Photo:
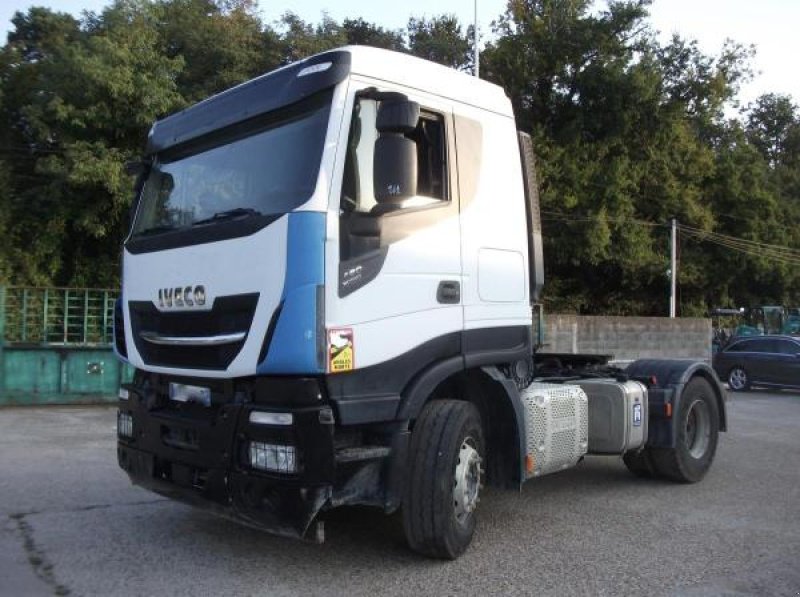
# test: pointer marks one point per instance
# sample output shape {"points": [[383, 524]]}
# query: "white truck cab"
{"points": [[329, 278]]}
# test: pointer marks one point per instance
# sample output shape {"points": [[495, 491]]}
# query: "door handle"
{"points": [[448, 292]]}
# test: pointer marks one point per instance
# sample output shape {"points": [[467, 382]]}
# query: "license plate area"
{"points": [[190, 394]]}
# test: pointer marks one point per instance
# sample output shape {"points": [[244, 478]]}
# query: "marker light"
{"points": [[274, 458], [530, 463], [265, 418], [123, 394], [314, 68]]}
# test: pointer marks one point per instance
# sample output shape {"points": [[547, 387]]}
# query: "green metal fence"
{"points": [[66, 316], [55, 346]]}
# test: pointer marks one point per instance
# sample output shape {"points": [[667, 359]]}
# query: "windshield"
{"points": [[269, 169]]}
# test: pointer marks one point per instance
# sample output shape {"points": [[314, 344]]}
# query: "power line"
{"points": [[752, 248], [743, 241], [562, 217]]}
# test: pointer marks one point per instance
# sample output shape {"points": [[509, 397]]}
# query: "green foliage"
{"points": [[301, 40], [629, 132], [82, 101], [361, 33], [220, 43], [440, 39]]}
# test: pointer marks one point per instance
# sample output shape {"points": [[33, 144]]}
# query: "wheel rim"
{"points": [[737, 379], [698, 428], [467, 480]]}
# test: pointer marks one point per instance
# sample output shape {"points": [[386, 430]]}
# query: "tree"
{"points": [[440, 39], [300, 39], [221, 43], [81, 106], [361, 33], [629, 133], [772, 127]]}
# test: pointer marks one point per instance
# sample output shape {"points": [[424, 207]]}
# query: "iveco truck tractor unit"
{"points": [[328, 294]]}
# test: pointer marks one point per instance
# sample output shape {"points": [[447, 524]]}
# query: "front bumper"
{"points": [[200, 454]]}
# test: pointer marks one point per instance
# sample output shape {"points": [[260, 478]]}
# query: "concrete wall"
{"points": [[629, 338]]}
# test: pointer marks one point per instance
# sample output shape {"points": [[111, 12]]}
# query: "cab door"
{"points": [[393, 279]]}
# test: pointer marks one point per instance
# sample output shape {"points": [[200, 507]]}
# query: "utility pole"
{"points": [[476, 70], [673, 274]]}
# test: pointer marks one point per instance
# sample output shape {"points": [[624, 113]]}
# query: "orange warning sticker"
{"points": [[341, 352]]}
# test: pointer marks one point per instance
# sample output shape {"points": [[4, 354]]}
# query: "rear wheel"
{"points": [[697, 422], [444, 479], [738, 380]]}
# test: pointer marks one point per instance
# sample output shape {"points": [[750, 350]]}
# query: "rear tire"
{"points": [[738, 380], [697, 422], [444, 479]]}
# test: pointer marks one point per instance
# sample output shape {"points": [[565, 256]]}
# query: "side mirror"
{"points": [[395, 158]]}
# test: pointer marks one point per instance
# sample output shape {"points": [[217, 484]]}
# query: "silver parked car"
{"points": [[770, 361]]}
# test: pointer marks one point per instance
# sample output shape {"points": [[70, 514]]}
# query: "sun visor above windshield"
{"points": [[268, 92]]}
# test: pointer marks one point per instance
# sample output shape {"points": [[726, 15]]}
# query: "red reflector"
{"points": [[653, 380], [668, 409]]}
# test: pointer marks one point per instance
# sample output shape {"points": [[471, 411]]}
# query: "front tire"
{"points": [[697, 421], [738, 380], [444, 479]]}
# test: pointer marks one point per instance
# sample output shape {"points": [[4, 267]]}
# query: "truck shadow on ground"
{"points": [[368, 536]]}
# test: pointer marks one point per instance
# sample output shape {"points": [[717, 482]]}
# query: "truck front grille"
{"points": [[228, 315]]}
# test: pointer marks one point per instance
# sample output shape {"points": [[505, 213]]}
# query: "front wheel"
{"points": [[697, 421], [444, 479], [738, 380]]}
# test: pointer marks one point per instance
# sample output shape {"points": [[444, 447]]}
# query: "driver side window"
{"points": [[429, 138], [361, 214]]}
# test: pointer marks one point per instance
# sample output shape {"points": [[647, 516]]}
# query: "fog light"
{"points": [[124, 424], [274, 458]]}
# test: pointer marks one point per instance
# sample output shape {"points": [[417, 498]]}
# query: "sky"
{"points": [[771, 25]]}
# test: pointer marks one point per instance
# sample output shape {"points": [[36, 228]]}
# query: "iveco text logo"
{"points": [[182, 296]]}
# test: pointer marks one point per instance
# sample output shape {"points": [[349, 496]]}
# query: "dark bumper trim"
{"points": [[256, 502]]}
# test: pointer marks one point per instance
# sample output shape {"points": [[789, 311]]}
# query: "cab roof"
{"points": [[430, 77], [299, 80]]}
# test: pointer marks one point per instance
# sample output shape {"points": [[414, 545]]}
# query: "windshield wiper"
{"points": [[238, 212]]}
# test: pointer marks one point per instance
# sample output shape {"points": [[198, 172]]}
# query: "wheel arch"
{"points": [[672, 375], [498, 402], [720, 394]]}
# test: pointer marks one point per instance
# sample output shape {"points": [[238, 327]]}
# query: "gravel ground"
{"points": [[70, 523]]}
